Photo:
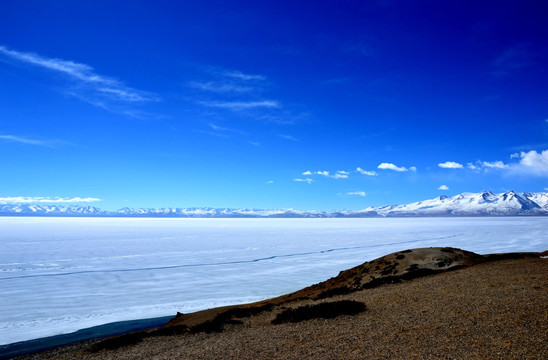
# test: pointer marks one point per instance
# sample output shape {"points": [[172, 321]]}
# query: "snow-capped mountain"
{"points": [[218, 212], [541, 199], [51, 210], [485, 203]]}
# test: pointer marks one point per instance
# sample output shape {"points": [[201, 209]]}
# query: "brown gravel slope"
{"points": [[493, 310]]}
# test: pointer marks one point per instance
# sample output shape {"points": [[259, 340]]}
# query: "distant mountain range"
{"points": [[485, 203]]}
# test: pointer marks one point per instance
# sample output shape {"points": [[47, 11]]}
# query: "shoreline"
{"points": [[27, 347], [365, 283]]}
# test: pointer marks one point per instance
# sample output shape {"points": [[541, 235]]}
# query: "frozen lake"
{"points": [[59, 275]]}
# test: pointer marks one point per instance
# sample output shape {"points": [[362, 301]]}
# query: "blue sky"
{"points": [[285, 104]]}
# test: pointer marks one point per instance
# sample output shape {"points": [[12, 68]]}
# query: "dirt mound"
{"points": [[392, 268]]}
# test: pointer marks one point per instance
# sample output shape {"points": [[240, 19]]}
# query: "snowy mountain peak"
{"points": [[488, 196], [541, 199]]}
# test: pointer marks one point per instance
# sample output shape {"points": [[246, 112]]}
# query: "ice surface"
{"points": [[59, 275]]}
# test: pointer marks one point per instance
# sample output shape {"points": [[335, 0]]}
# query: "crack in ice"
{"points": [[229, 262]]}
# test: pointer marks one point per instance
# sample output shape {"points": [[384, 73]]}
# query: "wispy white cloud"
{"points": [[270, 182], [471, 166], [217, 128], [224, 132], [288, 137], [243, 93], [232, 90], [124, 94], [390, 166], [495, 165], [85, 83], [241, 105], [450, 165], [221, 87], [307, 180], [41, 199], [225, 129], [443, 187], [341, 174], [283, 116], [213, 133], [365, 172], [28, 141], [79, 71], [224, 73], [242, 76], [140, 114], [356, 193]]}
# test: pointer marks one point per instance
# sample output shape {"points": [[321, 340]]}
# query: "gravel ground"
{"points": [[495, 310]]}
